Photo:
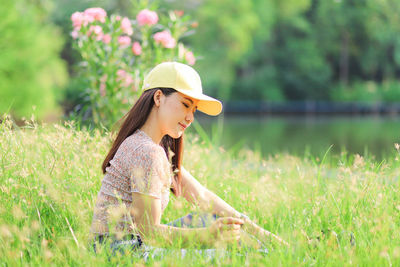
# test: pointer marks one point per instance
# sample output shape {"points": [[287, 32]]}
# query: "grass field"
{"points": [[333, 210]]}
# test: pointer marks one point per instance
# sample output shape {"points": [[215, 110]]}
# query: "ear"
{"points": [[157, 98]]}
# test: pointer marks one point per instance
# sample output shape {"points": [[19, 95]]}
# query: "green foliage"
{"points": [[223, 37], [297, 50], [359, 40], [61, 15], [289, 66], [388, 91], [291, 8], [31, 71]]}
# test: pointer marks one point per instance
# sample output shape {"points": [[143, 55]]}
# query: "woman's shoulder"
{"points": [[145, 155], [141, 146]]}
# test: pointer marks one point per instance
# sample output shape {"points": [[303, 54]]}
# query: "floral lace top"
{"points": [[139, 165]]}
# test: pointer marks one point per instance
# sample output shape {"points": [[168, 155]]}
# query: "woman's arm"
{"points": [[195, 193], [147, 216]]}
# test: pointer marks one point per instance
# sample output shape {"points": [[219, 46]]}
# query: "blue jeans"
{"points": [[194, 220]]}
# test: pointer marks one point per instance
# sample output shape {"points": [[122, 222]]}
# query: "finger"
{"points": [[230, 227], [235, 231], [231, 234], [231, 220], [234, 226]]}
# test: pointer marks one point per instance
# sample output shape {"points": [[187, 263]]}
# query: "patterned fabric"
{"points": [[194, 220], [139, 165], [127, 243]]}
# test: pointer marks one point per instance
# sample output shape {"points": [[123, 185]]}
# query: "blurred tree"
{"points": [[313, 45], [360, 42], [224, 35], [383, 27], [31, 72], [339, 27], [288, 64]]}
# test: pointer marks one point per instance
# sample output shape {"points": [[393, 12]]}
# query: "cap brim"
{"points": [[206, 104]]}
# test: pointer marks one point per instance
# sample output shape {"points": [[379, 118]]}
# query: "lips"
{"points": [[183, 126]]}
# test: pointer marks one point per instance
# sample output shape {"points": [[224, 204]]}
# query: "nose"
{"points": [[189, 117]]}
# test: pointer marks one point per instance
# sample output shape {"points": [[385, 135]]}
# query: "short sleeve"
{"points": [[148, 175]]}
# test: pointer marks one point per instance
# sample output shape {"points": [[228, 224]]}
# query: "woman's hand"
{"points": [[226, 229]]}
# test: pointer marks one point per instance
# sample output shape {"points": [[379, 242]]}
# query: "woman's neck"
{"points": [[152, 129]]}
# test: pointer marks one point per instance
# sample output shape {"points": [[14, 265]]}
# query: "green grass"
{"points": [[50, 176]]}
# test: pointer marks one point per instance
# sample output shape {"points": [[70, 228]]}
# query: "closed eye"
{"points": [[187, 106]]}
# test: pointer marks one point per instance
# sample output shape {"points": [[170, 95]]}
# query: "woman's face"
{"points": [[176, 113]]}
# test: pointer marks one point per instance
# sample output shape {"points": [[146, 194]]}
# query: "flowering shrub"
{"points": [[117, 52]]}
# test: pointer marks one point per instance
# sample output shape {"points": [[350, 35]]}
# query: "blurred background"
{"points": [[294, 75]]}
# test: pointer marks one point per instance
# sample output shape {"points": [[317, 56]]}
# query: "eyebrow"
{"points": [[191, 101]]}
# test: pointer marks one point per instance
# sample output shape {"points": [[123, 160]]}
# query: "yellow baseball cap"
{"points": [[185, 80]]}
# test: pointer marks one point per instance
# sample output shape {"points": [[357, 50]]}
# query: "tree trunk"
{"points": [[344, 59]]}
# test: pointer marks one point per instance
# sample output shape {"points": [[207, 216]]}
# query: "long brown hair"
{"points": [[134, 120]]}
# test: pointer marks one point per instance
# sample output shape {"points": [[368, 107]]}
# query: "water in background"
{"points": [[372, 135]]}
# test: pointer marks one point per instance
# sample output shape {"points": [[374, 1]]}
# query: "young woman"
{"points": [[145, 163]]}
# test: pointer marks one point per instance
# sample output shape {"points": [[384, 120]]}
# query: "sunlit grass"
{"points": [[337, 210]]}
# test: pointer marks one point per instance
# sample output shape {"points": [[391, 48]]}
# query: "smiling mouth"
{"points": [[183, 126]]}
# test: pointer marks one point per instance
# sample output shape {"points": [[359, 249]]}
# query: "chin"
{"points": [[179, 135], [176, 135]]}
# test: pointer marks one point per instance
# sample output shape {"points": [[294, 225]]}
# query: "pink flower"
{"points": [[147, 17], [89, 15], [102, 89], [97, 31], [126, 26], [128, 80], [103, 78], [121, 74], [117, 17], [124, 41], [179, 13], [106, 38], [96, 13], [136, 48], [165, 39], [77, 19], [191, 60], [124, 77], [74, 34]]}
